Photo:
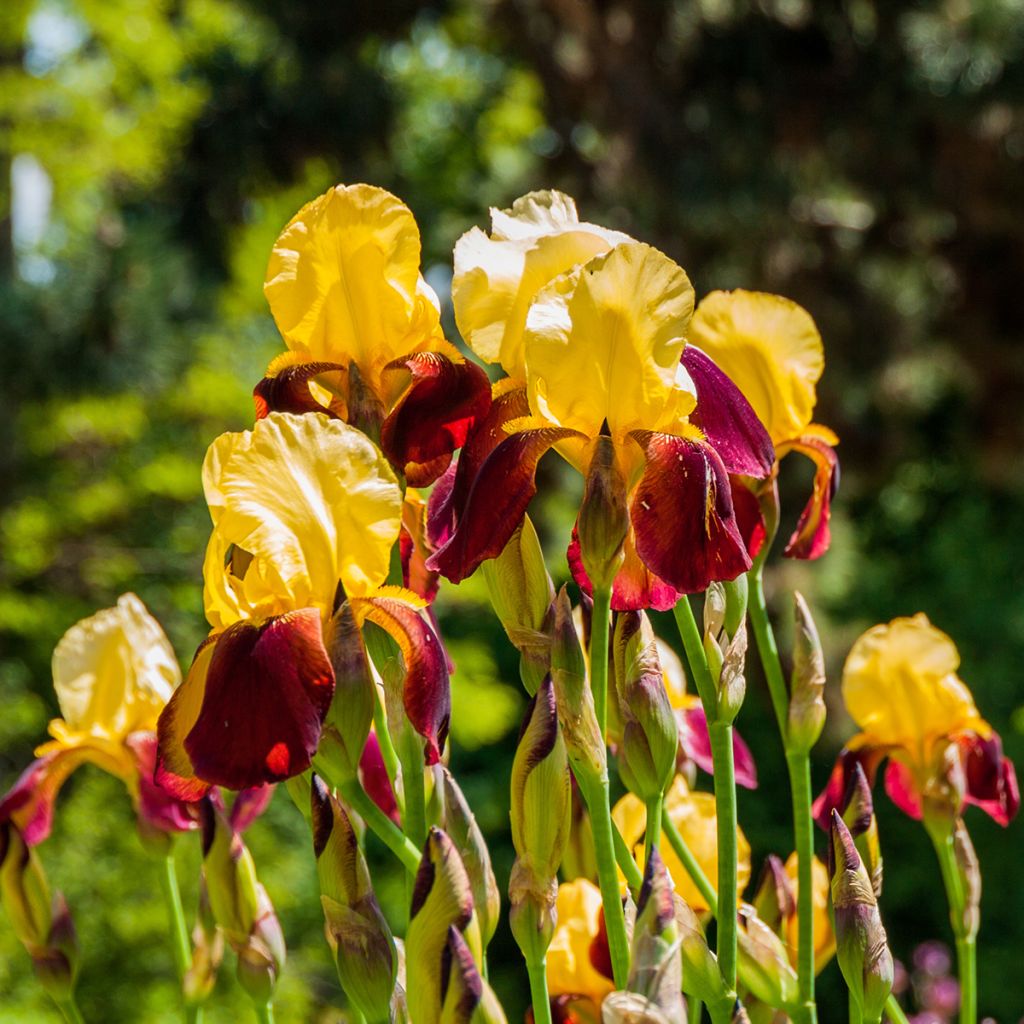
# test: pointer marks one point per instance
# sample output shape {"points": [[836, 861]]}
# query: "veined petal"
{"points": [[770, 348], [343, 281], [288, 387], [427, 689], [991, 779], [603, 343], [726, 418], [682, 513], [812, 536], [496, 502], [312, 501], [445, 398], [498, 276]]}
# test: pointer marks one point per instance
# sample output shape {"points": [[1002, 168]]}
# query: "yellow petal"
{"points": [[824, 937], [675, 678], [344, 281], [900, 686], [770, 348], [497, 276], [113, 673], [603, 343], [312, 501], [569, 967]]}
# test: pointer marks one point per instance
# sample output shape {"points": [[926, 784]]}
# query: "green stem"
{"points": [[725, 808], [381, 825], [69, 1008], [599, 630], [634, 877], [653, 831], [856, 1017], [265, 1012], [387, 748], [768, 651], [181, 943], [894, 1011], [967, 960], [693, 645], [410, 752], [539, 992], [689, 862], [693, 1010]]}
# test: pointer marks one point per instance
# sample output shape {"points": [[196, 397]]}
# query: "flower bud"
{"points": [[807, 683], [442, 898], [575, 700], [468, 998], [735, 603], [604, 516], [859, 817], [702, 978], [521, 593], [656, 970], [579, 860], [764, 962], [364, 950], [650, 737], [632, 1008], [207, 951], [56, 964], [262, 957], [459, 822], [861, 946], [774, 902], [24, 891], [970, 881]]}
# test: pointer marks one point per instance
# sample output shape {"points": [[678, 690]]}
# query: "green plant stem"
{"points": [[381, 825], [652, 834], [264, 1012], [855, 1015], [539, 992], [693, 1010], [599, 630], [799, 767], [894, 1011], [634, 877], [689, 862], [725, 808], [181, 944], [693, 645], [410, 752], [69, 1008], [387, 749]]}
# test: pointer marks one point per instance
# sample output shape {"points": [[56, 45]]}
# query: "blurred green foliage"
{"points": [[864, 158]]}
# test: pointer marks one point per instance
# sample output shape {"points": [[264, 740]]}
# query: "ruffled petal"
{"points": [[427, 689], [991, 779], [287, 389], [444, 400], [696, 743], [682, 513], [812, 536], [727, 419], [496, 502]]}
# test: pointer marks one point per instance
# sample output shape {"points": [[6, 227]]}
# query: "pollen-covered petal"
{"points": [[267, 691], [770, 348], [603, 343], [727, 419], [812, 536], [496, 501], [343, 280], [991, 778], [444, 399], [287, 388], [427, 689], [696, 743], [686, 531], [497, 276]]}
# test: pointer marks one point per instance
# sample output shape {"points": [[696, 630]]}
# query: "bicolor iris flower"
{"points": [[113, 673], [605, 354], [306, 511], [578, 963], [771, 348], [363, 332], [900, 686]]}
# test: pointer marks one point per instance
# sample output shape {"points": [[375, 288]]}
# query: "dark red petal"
{"points": [[249, 805], [374, 777], [288, 390], [682, 513], [991, 779], [727, 419], [156, 806], [696, 742], [834, 793], [812, 535], [496, 502], [415, 548], [748, 516], [899, 784], [267, 692], [600, 953], [434, 415], [427, 689]]}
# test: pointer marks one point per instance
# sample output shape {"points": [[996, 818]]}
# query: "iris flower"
{"points": [[113, 673], [306, 511], [900, 685], [771, 348], [604, 353], [363, 332], [577, 960]]}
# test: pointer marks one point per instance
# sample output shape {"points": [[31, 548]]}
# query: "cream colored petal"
{"points": [[603, 343], [498, 276], [771, 349], [313, 501], [344, 281], [900, 685], [114, 672]]}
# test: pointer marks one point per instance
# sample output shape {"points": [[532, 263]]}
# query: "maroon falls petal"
{"points": [[288, 389], [812, 535], [682, 512]]}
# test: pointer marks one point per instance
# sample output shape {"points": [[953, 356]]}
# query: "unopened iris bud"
{"points": [[207, 951], [764, 961], [702, 978], [774, 902], [650, 736], [262, 957], [735, 604], [574, 698], [725, 646], [24, 891], [859, 817], [364, 950], [807, 683], [521, 592], [460, 824], [540, 824], [861, 945], [579, 860], [468, 998], [56, 964], [604, 516], [442, 898], [970, 881], [656, 970], [633, 1008]]}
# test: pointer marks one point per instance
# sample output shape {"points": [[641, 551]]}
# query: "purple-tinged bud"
{"points": [[774, 901], [574, 698], [467, 998], [579, 860], [764, 962], [633, 1008], [859, 817], [650, 735], [24, 891], [861, 945], [521, 593], [261, 959], [702, 978], [807, 682], [726, 652], [459, 822], [56, 964], [604, 516], [970, 882], [656, 968], [207, 951]]}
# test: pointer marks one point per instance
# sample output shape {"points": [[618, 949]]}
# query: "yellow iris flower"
{"points": [[570, 966]]}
